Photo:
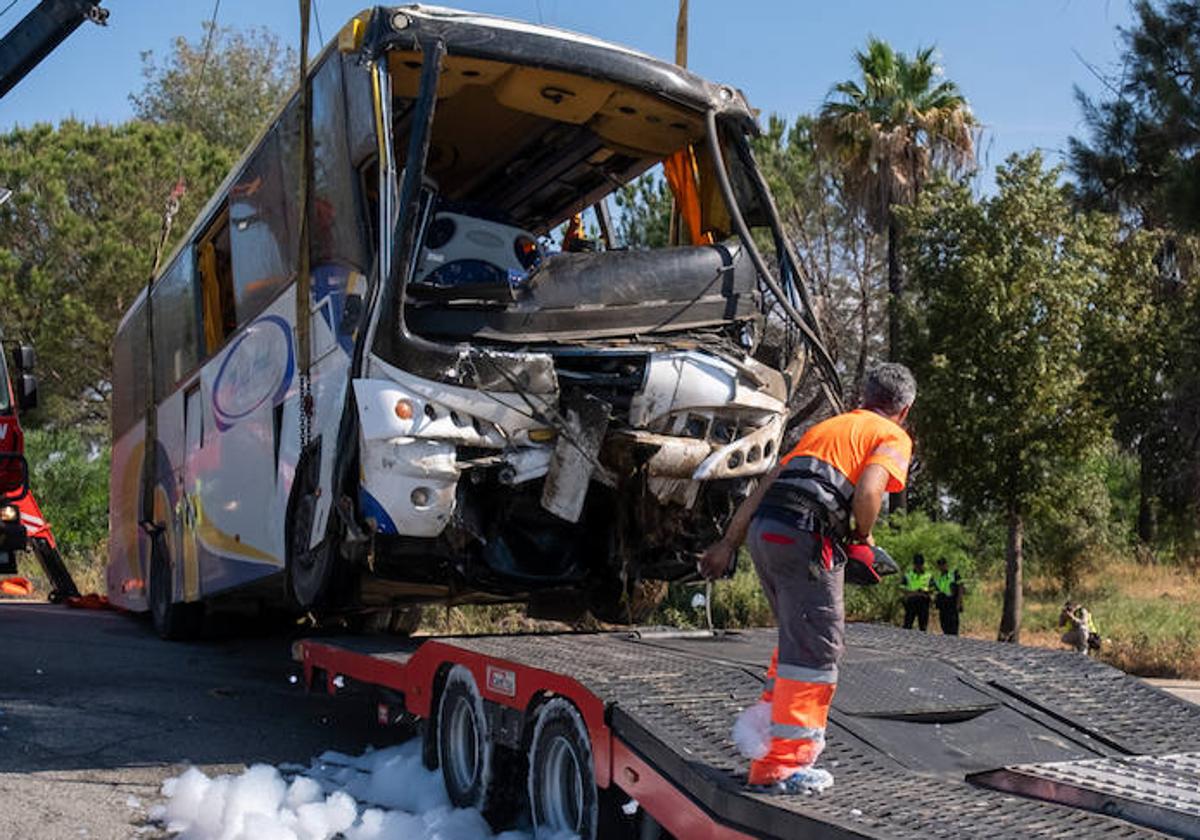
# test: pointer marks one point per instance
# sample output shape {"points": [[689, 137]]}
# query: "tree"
{"points": [[889, 134], [227, 92], [645, 205], [839, 251], [1002, 289], [1143, 157], [77, 241], [1141, 162]]}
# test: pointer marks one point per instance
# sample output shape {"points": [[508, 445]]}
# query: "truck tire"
{"points": [[464, 742], [563, 798], [178, 621]]}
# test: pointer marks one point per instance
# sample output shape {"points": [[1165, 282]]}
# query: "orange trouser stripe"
{"points": [[799, 713]]}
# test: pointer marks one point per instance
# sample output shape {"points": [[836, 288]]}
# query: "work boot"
{"points": [[804, 780]]}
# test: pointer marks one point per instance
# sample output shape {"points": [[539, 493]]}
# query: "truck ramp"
{"points": [[929, 736]]}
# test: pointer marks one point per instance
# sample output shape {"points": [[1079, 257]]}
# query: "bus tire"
{"points": [[563, 798], [309, 570], [464, 742], [177, 621]]}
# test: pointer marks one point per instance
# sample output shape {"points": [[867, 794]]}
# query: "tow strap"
{"points": [[303, 272]]}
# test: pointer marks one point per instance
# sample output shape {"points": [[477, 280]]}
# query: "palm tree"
{"points": [[888, 135]]}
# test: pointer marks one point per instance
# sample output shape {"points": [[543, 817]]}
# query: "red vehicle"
{"points": [[22, 526]]}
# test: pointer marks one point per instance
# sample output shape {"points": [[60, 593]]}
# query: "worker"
{"points": [[916, 585], [948, 596], [808, 517], [1081, 629]]}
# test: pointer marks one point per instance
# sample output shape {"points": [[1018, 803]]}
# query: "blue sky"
{"points": [[1016, 60]]}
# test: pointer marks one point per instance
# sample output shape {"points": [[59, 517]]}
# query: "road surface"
{"points": [[95, 711], [1187, 689]]}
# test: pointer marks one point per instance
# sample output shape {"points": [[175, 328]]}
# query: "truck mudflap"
{"points": [[915, 720]]}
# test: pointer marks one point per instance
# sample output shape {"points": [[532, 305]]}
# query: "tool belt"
{"points": [[802, 513]]}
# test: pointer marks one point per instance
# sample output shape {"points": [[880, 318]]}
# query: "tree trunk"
{"points": [[1010, 621], [895, 288], [1147, 523]]}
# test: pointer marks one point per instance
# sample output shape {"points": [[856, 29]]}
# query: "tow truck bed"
{"points": [[929, 736]]}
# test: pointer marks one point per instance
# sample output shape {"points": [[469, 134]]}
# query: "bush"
{"points": [[69, 477]]}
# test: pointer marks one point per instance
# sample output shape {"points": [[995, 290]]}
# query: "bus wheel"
{"points": [[464, 741], [309, 570], [174, 620], [562, 779]]}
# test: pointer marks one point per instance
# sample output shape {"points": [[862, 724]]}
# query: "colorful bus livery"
{"points": [[490, 418]]}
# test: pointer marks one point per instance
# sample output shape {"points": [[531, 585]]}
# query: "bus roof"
{"points": [[503, 39]]}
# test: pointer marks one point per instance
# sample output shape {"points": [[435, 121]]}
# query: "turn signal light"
{"points": [[404, 409], [9, 513], [542, 435]]}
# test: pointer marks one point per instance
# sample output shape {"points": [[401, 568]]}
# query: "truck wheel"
{"points": [[175, 620], [464, 741], [562, 779]]}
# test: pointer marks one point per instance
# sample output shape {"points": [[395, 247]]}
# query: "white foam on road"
{"points": [[381, 795]]}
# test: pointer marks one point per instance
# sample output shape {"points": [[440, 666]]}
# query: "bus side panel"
{"points": [[246, 391], [169, 489], [125, 575]]}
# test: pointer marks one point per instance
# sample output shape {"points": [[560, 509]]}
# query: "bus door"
{"points": [[191, 503]]}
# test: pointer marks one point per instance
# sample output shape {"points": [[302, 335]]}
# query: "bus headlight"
{"points": [[9, 513]]}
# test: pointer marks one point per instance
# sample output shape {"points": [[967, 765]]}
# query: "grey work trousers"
{"points": [[802, 575]]}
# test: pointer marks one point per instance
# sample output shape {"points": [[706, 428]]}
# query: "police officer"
{"points": [[916, 585], [947, 597], [826, 492]]}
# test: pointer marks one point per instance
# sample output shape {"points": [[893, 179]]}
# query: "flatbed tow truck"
{"points": [[929, 736]]}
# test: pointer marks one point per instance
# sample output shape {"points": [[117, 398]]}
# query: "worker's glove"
{"points": [[867, 564]]}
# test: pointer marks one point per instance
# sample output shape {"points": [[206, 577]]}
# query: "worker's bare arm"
{"points": [[868, 499], [718, 556]]}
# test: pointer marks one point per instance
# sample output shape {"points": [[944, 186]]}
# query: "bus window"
{"points": [[336, 235], [260, 237], [176, 324], [129, 373], [215, 264]]}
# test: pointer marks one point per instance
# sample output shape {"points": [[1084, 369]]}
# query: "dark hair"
{"points": [[919, 558], [889, 388], [942, 561]]}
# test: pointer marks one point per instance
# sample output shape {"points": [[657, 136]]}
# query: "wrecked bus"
{"points": [[463, 410]]}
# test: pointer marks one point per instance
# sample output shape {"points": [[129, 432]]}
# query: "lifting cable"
{"points": [[170, 210], [303, 270]]}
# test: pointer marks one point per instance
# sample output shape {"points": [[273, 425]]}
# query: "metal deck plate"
{"points": [[675, 701], [1162, 792]]}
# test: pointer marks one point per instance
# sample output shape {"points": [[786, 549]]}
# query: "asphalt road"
{"points": [[96, 711]]}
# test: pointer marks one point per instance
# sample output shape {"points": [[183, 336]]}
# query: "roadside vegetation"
{"points": [[1051, 322]]}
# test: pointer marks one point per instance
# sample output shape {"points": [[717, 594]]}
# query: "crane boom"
{"points": [[39, 33]]}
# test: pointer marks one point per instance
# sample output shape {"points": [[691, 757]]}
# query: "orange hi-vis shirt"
{"points": [[822, 469]]}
